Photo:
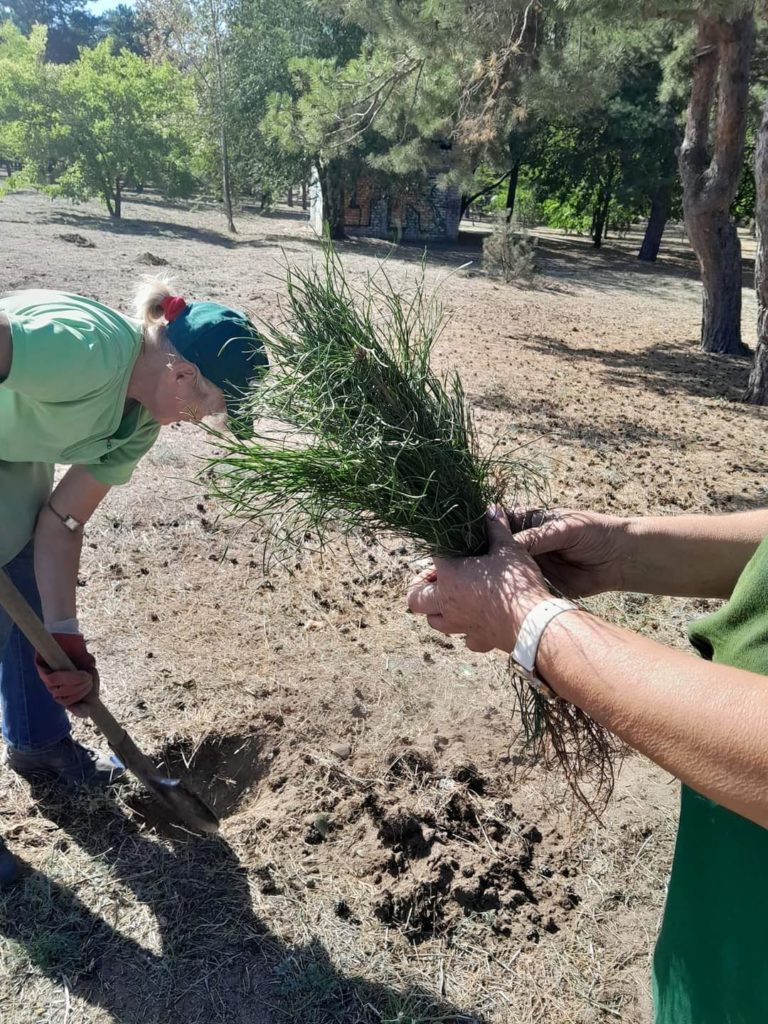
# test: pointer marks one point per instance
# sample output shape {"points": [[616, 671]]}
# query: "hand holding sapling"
{"points": [[484, 597]]}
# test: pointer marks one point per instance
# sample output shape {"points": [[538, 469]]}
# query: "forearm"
{"points": [[57, 549], [691, 555], [57, 560], [706, 724]]}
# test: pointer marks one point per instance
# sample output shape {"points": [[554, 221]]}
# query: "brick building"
{"points": [[404, 213]]}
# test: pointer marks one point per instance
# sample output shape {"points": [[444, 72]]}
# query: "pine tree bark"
{"points": [[657, 221], [757, 388], [332, 188], [710, 169], [512, 190]]}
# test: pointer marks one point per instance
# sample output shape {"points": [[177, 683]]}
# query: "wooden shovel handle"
{"points": [[176, 798], [30, 625]]}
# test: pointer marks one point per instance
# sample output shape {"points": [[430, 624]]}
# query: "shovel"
{"points": [[175, 798]]}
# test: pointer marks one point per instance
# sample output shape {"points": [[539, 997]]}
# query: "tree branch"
{"points": [[489, 188], [353, 124]]}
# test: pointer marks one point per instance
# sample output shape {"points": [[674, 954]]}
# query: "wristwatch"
{"points": [[528, 639], [70, 522]]}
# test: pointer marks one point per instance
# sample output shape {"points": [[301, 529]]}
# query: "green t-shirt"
{"points": [[711, 961], [64, 402]]}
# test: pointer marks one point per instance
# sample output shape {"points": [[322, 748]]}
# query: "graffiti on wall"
{"points": [[399, 215]]}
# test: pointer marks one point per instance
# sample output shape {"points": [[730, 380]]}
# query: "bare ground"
{"points": [[383, 856]]}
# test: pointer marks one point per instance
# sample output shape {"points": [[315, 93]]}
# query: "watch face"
{"points": [[71, 523]]}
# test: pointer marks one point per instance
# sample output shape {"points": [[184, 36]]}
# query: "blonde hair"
{"points": [[151, 291], [149, 294]]}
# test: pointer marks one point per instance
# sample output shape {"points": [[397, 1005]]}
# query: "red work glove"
{"points": [[67, 687]]}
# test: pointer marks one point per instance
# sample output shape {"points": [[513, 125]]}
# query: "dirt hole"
{"points": [[224, 770]]}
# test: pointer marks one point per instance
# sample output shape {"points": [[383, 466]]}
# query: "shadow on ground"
{"points": [[136, 226], [672, 369], [215, 961], [666, 368], [547, 419]]}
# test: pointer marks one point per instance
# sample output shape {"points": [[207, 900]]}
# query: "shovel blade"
{"points": [[175, 798], [182, 803]]}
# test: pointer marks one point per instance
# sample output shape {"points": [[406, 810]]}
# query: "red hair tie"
{"points": [[172, 307]]}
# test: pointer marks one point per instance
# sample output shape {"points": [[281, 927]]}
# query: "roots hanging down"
{"points": [[558, 734]]}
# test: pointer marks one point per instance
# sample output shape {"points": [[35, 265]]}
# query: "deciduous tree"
{"points": [[90, 127]]}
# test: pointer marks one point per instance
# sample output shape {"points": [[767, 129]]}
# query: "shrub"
{"points": [[509, 254]]}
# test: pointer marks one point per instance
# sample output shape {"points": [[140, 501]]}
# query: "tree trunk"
{"points": [[290, 196], [220, 111], [721, 278], [598, 226], [757, 389], [512, 190], [226, 188], [600, 212], [710, 170], [117, 206], [332, 188], [657, 221], [304, 195]]}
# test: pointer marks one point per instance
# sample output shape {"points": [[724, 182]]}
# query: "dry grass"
{"points": [[255, 681]]}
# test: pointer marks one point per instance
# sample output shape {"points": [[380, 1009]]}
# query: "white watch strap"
{"points": [[532, 629]]}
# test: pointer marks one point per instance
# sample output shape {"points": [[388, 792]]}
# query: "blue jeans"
{"points": [[31, 717]]}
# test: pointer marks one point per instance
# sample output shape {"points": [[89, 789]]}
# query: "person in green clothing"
{"points": [[87, 387], [703, 719]]}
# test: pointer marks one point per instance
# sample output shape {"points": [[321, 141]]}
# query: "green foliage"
{"points": [[124, 119], [567, 217], [606, 160], [126, 27], [92, 126], [569, 89], [193, 36], [69, 24], [528, 212], [24, 77], [270, 56], [369, 434], [329, 112]]}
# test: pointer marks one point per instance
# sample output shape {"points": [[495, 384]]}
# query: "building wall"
{"points": [[404, 215]]}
